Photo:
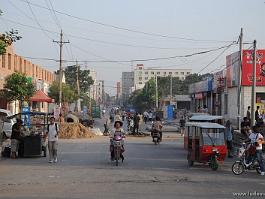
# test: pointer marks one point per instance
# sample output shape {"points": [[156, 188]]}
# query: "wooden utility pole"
{"points": [[239, 80], [253, 94], [156, 93], [78, 87], [61, 43]]}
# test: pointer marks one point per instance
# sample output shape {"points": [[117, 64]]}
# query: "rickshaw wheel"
{"points": [[190, 163], [238, 168]]}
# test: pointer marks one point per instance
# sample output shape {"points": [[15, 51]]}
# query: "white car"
{"points": [[7, 123]]}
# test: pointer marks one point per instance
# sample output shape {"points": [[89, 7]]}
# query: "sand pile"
{"points": [[75, 130]]}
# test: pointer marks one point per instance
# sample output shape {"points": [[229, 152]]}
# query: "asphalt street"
{"points": [[84, 170]]}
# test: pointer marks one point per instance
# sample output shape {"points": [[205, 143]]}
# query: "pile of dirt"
{"points": [[75, 130]]}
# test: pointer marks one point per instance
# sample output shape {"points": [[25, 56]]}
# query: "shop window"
{"points": [[3, 61], [9, 61]]}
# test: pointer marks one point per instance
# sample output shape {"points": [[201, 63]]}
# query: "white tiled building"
{"points": [[143, 75]]}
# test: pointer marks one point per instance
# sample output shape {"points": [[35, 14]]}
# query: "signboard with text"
{"points": [[247, 64]]}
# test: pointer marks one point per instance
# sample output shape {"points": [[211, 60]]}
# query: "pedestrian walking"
{"points": [[229, 138], [182, 125], [136, 121], [52, 133]]}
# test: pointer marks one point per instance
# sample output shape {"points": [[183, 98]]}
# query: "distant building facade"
{"points": [[127, 83], [143, 75]]}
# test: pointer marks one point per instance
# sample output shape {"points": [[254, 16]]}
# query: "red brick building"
{"points": [[11, 62]]}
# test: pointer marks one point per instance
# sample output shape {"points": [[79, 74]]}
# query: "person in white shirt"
{"points": [[52, 133], [257, 139]]}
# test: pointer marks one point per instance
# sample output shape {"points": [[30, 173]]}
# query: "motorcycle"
{"points": [[241, 165], [118, 149], [213, 163], [156, 137]]}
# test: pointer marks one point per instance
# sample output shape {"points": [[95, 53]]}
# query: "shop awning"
{"points": [[40, 96]]}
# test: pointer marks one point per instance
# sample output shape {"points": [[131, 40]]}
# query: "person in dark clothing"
{"points": [[136, 121], [245, 126], [258, 117], [182, 125], [16, 138], [248, 113]]}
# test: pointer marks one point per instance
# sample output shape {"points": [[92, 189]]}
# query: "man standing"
{"points": [[229, 138], [52, 132], [248, 114], [257, 115]]}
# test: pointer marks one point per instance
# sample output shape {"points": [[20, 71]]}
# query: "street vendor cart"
{"points": [[33, 142]]}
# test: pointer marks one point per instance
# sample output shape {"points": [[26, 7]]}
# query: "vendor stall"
{"points": [[33, 141]]}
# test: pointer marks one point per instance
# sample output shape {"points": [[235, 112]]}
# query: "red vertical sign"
{"points": [[247, 64]]}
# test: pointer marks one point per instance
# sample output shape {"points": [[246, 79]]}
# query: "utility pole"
{"points": [[78, 87], [156, 93], [253, 94], [239, 80], [171, 89], [61, 43]]}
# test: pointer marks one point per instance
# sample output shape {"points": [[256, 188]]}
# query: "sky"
{"points": [[104, 32]]}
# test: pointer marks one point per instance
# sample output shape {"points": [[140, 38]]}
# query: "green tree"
{"points": [[7, 39], [68, 94], [18, 86], [84, 79]]}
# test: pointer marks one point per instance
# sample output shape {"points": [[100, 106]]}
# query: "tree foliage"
{"points": [[18, 86], [8, 38], [84, 79], [144, 99], [68, 94]]}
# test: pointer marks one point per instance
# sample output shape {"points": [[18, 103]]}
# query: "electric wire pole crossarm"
{"points": [[61, 43]]}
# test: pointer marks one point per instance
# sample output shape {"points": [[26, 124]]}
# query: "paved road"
{"points": [[85, 171]]}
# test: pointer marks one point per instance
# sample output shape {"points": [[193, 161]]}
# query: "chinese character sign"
{"points": [[247, 64]]}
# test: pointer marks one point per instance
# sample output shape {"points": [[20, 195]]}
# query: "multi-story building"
{"points": [[143, 75], [97, 90], [11, 62], [127, 83]]}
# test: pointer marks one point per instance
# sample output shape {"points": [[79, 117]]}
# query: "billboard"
{"points": [[247, 64]]}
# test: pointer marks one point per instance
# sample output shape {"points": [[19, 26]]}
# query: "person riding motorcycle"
{"points": [[157, 126], [117, 131], [257, 140]]}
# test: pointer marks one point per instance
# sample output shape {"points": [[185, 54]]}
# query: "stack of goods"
{"points": [[75, 130]]}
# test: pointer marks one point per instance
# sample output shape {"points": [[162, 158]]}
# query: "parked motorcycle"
{"points": [[118, 149], [241, 165]]}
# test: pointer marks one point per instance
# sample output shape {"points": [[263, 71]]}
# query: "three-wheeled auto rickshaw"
{"points": [[203, 118], [206, 143]]}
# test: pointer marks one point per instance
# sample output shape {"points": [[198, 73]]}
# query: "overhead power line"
{"points": [[36, 20], [97, 41], [138, 60], [127, 29]]}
